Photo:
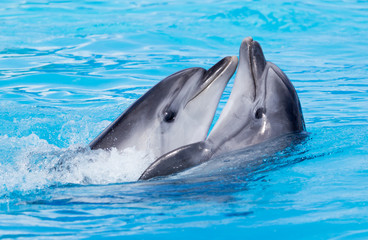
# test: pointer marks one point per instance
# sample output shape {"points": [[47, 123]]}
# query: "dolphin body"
{"points": [[263, 105], [175, 112]]}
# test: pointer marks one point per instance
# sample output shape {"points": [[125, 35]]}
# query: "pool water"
{"points": [[69, 68]]}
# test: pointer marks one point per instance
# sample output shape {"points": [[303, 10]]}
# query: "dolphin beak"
{"points": [[219, 69], [258, 61], [244, 78], [220, 72], [251, 66]]}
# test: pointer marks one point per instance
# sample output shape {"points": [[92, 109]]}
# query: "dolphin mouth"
{"points": [[254, 64], [216, 70], [257, 60], [221, 71]]}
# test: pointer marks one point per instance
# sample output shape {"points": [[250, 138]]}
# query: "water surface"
{"points": [[69, 68]]}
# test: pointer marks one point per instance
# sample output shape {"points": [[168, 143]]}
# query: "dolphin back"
{"points": [[178, 160]]}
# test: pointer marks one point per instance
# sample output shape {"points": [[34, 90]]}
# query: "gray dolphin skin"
{"points": [[263, 105], [175, 112]]}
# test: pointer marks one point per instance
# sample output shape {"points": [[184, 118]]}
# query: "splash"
{"points": [[35, 164]]}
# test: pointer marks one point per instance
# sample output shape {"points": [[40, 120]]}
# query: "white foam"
{"points": [[104, 167], [37, 164]]}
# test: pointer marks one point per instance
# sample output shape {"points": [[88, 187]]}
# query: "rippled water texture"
{"points": [[68, 68]]}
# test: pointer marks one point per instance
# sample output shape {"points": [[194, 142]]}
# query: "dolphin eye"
{"points": [[259, 113], [169, 116]]}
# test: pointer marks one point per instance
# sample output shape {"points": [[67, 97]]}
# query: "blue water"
{"points": [[68, 68]]}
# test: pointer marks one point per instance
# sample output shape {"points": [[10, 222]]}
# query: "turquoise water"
{"points": [[68, 68]]}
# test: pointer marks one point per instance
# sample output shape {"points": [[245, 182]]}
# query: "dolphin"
{"points": [[175, 112], [263, 105]]}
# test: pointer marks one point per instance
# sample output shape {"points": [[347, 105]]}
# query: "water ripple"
{"points": [[68, 68]]}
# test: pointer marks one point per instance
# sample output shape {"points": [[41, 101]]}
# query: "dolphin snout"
{"points": [[219, 74], [247, 40], [258, 60]]}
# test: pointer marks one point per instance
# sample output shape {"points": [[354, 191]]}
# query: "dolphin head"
{"points": [[187, 117], [276, 107], [263, 103], [177, 111]]}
